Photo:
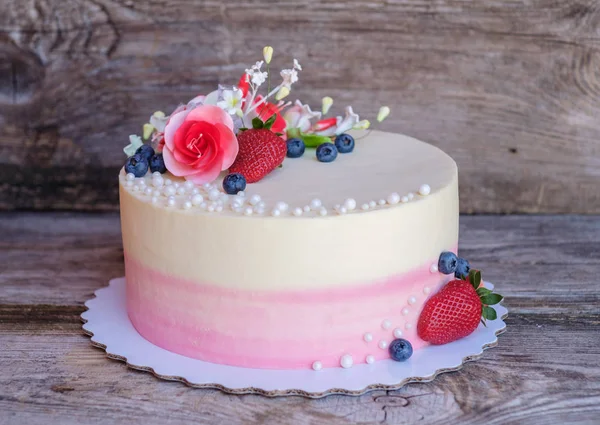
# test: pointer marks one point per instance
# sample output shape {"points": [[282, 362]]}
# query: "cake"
{"points": [[336, 253]]}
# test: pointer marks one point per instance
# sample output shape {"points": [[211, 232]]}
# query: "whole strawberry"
{"points": [[260, 151], [456, 310]]}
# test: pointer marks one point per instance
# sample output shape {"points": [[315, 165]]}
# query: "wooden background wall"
{"points": [[509, 88]]}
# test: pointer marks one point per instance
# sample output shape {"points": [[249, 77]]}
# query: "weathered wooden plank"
{"points": [[542, 264], [51, 373], [508, 88]]}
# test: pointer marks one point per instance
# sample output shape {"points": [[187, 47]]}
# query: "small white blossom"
{"points": [[158, 120], [290, 76], [297, 65], [232, 101], [258, 78], [258, 65]]}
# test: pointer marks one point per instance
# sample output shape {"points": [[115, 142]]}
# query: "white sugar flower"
{"points": [[299, 116], [290, 76], [159, 121], [349, 121], [232, 101], [258, 65], [259, 77], [297, 65]]}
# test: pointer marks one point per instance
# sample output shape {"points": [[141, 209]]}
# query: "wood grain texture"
{"points": [[509, 88], [544, 371]]}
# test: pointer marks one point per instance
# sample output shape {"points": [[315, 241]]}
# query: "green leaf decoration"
{"points": [[491, 299], [269, 123], [482, 292], [489, 313], [257, 123], [134, 143], [313, 140], [242, 129]]}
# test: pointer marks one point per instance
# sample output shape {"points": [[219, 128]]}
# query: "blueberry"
{"points": [[146, 151], [234, 183], [344, 143], [462, 268], [447, 262], [295, 148], [157, 163], [327, 152], [400, 350], [136, 165]]}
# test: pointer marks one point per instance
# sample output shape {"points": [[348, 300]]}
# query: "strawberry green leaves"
{"points": [[258, 124], [486, 296]]}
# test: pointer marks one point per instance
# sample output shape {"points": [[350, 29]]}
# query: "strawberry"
{"points": [[456, 310], [260, 151]]}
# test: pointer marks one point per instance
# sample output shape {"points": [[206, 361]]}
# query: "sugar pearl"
{"points": [[342, 210], [368, 337], [241, 193], [405, 311], [393, 198], [386, 324], [158, 182], [224, 198], [195, 191], [433, 268], [282, 206], [181, 190], [346, 361], [188, 185], [411, 196], [170, 190], [350, 204], [219, 208], [424, 190], [156, 174], [404, 199], [397, 333], [297, 212], [372, 204], [187, 205], [370, 359], [128, 182], [364, 207], [203, 205], [382, 202], [168, 182], [207, 186], [154, 199], [306, 208], [130, 176], [142, 182], [214, 194], [412, 300], [197, 199], [261, 204], [254, 199], [317, 365], [275, 212], [136, 188], [315, 203], [323, 211], [171, 201], [427, 290], [382, 344], [156, 193], [211, 207], [408, 326], [248, 211], [176, 184]]}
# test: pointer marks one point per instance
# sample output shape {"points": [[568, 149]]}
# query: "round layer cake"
{"points": [[315, 263]]}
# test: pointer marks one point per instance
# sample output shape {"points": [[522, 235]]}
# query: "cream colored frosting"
{"points": [[270, 253]]}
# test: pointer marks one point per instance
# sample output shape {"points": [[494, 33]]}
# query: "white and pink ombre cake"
{"points": [[316, 265]]}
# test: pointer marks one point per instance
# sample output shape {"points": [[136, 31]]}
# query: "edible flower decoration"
{"points": [[201, 138]]}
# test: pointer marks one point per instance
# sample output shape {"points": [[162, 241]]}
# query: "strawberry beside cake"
{"points": [[258, 233]]}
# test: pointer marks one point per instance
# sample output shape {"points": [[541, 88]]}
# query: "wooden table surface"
{"points": [[545, 369]]}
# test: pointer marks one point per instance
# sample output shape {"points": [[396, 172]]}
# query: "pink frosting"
{"points": [[274, 330]]}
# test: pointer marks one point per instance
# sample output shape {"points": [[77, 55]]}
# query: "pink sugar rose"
{"points": [[199, 143]]}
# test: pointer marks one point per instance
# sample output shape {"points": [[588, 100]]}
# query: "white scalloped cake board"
{"points": [[106, 321]]}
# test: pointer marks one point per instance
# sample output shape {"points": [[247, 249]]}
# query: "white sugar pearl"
{"points": [[148, 191], [343, 210], [411, 196], [393, 198], [427, 290], [306, 208], [254, 199], [397, 333], [382, 202], [169, 190], [188, 185], [372, 204], [350, 204], [297, 212], [128, 182], [181, 190], [197, 199], [195, 191], [346, 361], [207, 186], [275, 212], [168, 182], [424, 190], [224, 198], [211, 207], [433, 268], [315, 203], [136, 188], [158, 182], [382, 344], [405, 311], [317, 365], [368, 337], [203, 205], [130, 176], [214, 194], [364, 207], [282, 206], [259, 210], [156, 193], [248, 211], [261, 204], [323, 212], [404, 199], [154, 199], [219, 208], [370, 359], [142, 182], [187, 205], [171, 201], [156, 174], [239, 210], [386, 324], [408, 326], [241, 193], [176, 184], [412, 300]]}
